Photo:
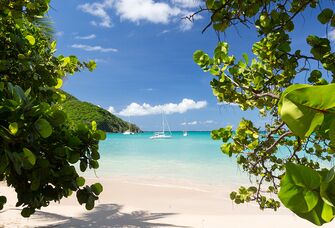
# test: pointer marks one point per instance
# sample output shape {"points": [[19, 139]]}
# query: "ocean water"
{"points": [[195, 158]]}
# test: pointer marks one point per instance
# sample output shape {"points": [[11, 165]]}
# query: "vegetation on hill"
{"points": [[83, 112]]}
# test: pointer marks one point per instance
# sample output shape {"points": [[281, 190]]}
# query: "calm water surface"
{"points": [[196, 158]]}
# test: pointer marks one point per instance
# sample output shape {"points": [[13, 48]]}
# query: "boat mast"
{"points": [[163, 122]]}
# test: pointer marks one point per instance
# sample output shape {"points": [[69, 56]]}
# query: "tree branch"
{"points": [[278, 141]]}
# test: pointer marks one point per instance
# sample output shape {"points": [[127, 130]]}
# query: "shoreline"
{"points": [[131, 203]]}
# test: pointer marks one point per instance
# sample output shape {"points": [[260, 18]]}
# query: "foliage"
{"points": [[300, 117], [83, 112], [38, 148]]}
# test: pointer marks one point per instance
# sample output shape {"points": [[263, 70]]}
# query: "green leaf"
{"points": [[83, 165], [91, 65], [298, 188], [302, 107], [246, 58], [59, 83], [89, 204], [80, 181], [29, 156], [43, 127], [3, 200], [325, 16], [94, 125], [31, 39], [53, 45], [327, 212], [26, 212], [95, 155], [97, 188], [13, 128], [314, 215], [74, 157], [58, 118], [102, 134], [82, 196]]}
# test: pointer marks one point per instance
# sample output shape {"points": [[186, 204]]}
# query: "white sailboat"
{"points": [[162, 134], [128, 132], [185, 133]]}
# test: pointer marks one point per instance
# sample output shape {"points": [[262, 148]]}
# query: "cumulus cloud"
{"points": [[88, 37], [153, 11], [111, 109], [145, 109], [93, 48], [146, 10], [99, 9]]}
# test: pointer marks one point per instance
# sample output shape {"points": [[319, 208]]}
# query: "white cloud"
{"points": [[93, 48], [146, 10], [197, 122], [145, 109], [99, 10], [187, 3], [60, 33], [153, 11], [190, 123], [208, 122], [111, 109], [88, 37], [227, 103]]}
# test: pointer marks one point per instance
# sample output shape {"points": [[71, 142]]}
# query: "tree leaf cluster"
{"points": [[39, 144], [287, 155]]}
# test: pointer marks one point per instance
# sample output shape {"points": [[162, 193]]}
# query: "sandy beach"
{"points": [[130, 203]]}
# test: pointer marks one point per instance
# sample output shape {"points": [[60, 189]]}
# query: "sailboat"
{"points": [[128, 132], [162, 134], [185, 133]]}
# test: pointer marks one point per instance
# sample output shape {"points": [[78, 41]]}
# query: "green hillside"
{"points": [[84, 112]]}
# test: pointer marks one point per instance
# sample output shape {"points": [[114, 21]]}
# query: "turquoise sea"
{"points": [[195, 158]]}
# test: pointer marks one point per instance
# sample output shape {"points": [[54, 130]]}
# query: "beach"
{"points": [[180, 182], [125, 203]]}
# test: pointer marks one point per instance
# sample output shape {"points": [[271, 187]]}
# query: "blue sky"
{"points": [[144, 54]]}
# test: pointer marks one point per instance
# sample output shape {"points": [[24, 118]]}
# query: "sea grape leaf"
{"points": [[29, 156], [299, 186], [302, 107], [314, 215], [327, 213], [59, 83], [80, 181], [97, 188], [325, 16], [30, 39], [13, 128], [43, 127]]}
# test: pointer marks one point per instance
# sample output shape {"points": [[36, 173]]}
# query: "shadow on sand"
{"points": [[109, 215]]}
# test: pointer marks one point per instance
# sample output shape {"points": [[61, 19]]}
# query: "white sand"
{"points": [[127, 203]]}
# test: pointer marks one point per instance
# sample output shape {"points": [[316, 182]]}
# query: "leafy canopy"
{"points": [[300, 117], [38, 144]]}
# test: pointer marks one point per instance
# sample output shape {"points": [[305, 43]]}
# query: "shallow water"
{"points": [[195, 158]]}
